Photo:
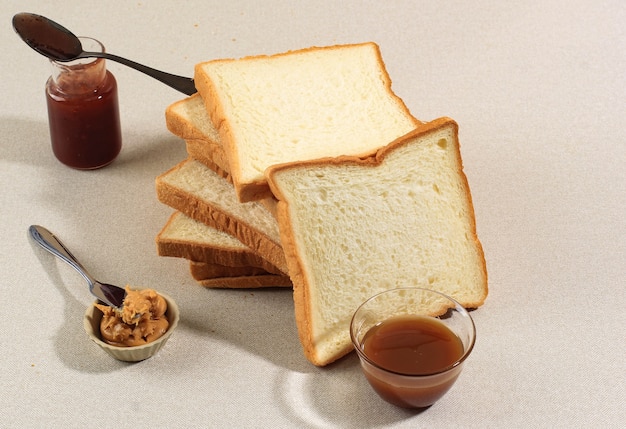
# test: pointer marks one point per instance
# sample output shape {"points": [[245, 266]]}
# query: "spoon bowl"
{"points": [[56, 42], [111, 295]]}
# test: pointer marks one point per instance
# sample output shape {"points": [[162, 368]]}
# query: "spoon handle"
{"points": [[109, 294], [179, 83], [48, 241]]}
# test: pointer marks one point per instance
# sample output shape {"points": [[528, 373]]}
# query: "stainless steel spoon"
{"points": [[56, 42], [109, 294]]}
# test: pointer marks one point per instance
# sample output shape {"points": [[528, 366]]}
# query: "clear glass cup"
{"points": [[412, 383]]}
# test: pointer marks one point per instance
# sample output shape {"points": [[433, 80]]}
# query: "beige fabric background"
{"points": [[538, 89]]}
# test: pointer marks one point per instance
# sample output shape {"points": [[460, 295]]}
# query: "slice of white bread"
{"points": [[300, 105], [184, 237], [218, 276], [209, 155], [189, 120], [197, 191], [210, 247], [352, 227], [207, 270], [247, 282], [232, 264]]}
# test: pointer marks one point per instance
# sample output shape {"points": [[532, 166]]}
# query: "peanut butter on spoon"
{"points": [[140, 321]]}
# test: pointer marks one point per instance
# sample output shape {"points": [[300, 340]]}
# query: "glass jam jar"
{"points": [[83, 111]]}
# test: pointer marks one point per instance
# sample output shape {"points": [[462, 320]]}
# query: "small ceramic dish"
{"points": [[91, 323]]}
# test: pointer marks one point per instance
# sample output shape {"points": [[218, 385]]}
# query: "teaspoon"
{"points": [[56, 42], [111, 295]]}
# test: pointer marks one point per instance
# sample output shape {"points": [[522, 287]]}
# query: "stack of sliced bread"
{"points": [[306, 170], [228, 244]]}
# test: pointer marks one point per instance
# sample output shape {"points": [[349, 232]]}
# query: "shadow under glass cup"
{"points": [[412, 344]]}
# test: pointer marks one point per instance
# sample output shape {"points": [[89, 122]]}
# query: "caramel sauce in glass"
{"points": [[412, 360]]}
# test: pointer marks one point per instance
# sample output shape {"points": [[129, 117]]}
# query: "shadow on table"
{"points": [[28, 142], [25, 141], [71, 342], [261, 322], [335, 396]]}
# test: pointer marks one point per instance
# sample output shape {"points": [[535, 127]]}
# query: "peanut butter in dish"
{"points": [[140, 321]]}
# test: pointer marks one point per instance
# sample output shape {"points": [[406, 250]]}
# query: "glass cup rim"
{"points": [[448, 368]]}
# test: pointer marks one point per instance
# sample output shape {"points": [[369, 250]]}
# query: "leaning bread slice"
{"points": [[184, 237], [197, 191], [299, 105], [354, 227]]}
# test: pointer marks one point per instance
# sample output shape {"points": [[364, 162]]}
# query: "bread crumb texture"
{"points": [[267, 116], [359, 227]]}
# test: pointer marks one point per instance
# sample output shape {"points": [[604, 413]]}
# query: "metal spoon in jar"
{"points": [[56, 42], [111, 295]]}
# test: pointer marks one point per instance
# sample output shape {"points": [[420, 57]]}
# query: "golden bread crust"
{"points": [[201, 211], [259, 189], [297, 269]]}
